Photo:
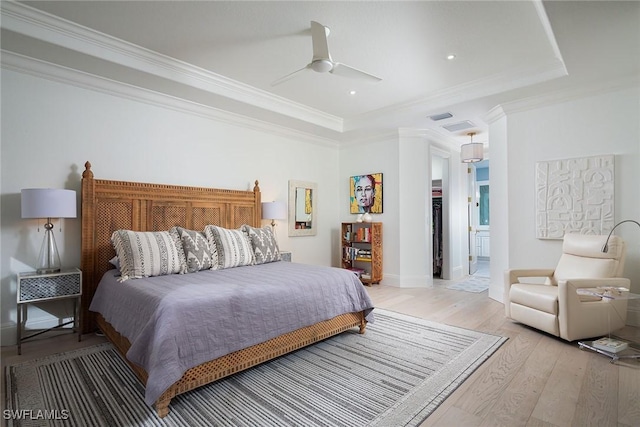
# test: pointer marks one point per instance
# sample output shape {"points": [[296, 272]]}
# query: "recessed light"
{"points": [[352, 92], [451, 56]]}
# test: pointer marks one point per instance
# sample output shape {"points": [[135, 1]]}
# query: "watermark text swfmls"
{"points": [[35, 414]]}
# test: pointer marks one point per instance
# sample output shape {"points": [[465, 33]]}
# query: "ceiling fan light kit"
{"points": [[321, 61], [321, 65]]}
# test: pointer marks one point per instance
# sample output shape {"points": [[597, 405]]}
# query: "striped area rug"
{"points": [[394, 375]]}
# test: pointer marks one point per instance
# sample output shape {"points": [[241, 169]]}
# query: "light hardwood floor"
{"points": [[532, 380]]}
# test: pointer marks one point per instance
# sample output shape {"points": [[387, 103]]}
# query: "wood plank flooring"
{"points": [[532, 380]]}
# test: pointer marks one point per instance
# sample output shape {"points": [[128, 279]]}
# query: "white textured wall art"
{"points": [[574, 196]]}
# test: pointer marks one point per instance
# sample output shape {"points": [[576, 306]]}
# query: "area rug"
{"points": [[471, 284], [394, 375]]}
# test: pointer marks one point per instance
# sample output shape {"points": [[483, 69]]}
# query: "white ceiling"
{"points": [[227, 54]]}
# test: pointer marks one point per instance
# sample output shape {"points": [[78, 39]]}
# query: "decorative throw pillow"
{"points": [[196, 249], [232, 246], [148, 253], [263, 241]]}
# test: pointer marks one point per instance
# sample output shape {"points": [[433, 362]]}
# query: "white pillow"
{"points": [[148, 253], [232, 247]]}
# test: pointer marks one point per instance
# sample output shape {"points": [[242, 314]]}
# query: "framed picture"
{"points": [[366, 193]]}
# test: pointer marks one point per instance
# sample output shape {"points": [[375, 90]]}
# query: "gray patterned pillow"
{"points": [[263, 241], [232, 247], [196, 249], [148, 253]]}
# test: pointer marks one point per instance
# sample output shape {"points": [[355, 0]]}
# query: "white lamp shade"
{"points": [[274, 210], [48, 203], [472, 152]]}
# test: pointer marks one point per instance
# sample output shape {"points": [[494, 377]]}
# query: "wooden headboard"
{"points": [[108, 206]]}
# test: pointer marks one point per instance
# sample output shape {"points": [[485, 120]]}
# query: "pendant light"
{"points": [[471, 152]]}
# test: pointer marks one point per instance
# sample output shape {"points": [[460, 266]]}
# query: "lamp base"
{"points": [[49, 259], [47, 270]]}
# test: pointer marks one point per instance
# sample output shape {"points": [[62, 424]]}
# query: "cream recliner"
{"points": [[552, 305]]}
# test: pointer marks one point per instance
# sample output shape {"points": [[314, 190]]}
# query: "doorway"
{"points": [[479, 220], [440, 215]]}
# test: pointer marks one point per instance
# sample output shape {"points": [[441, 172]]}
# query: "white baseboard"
{"points": [[407, 281], [390, 280], [9, 332], [458, 273]]}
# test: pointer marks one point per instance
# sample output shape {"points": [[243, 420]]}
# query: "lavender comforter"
{"points": [[177, 322]]}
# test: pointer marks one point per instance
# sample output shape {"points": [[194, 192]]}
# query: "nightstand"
{"points": [[34, 288], [285, 256]]}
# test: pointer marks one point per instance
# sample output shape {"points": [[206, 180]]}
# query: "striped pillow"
{"points": [[232, 247], [148, 253]]}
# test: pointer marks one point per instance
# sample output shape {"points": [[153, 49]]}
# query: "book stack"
{"points": [[610, 344], [349, 253], [363, 234], [364, 254]]}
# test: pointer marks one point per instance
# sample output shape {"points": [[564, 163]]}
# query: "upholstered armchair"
{"points": [[550, 302]]}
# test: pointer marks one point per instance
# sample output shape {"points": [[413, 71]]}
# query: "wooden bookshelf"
{"points": [[361, 250]]}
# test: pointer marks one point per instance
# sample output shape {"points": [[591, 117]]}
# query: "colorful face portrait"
{"points": [[366, 193]]}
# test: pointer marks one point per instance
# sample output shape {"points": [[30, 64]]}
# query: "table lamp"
{"points": [[48, 203], [273, 211]]}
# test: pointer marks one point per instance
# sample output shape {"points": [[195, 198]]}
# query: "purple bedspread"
{"points": [[177, 322]]}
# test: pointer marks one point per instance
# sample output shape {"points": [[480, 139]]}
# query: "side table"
{"points": [[285, 256], [34, 287], [632, 350]]}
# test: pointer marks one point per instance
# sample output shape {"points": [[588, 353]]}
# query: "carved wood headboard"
{"points": [[108, 206]]}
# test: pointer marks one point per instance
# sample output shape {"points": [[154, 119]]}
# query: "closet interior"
{"points": [[436, 226]]}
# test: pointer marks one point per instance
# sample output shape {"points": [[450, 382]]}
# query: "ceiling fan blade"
{"points": [[319, 40], [347, 71], [289, 76]]}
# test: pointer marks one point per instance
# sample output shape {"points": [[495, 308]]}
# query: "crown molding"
{"points": [[523, 76], [431, 136], [495, 114], [31, 22], [557, 97], [548, 30], [54, 72], [370, 138]]}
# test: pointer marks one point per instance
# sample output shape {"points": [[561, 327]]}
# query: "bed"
{"points": [[109, 205]]}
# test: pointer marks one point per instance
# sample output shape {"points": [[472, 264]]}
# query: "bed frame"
{"points": [[111, 205]]}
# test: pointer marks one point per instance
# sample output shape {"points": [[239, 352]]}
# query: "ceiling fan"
{"points": [[321, 61]]}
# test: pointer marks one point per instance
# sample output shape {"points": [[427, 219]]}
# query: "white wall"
{"points": [[499, 203], [360, 158], [599, 124], [50, 129], [414, 228], [405, 161]]}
